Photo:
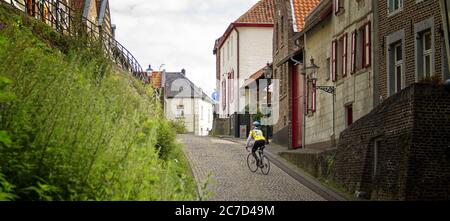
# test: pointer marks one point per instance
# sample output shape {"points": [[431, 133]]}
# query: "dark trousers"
{"points": [[258, 144]]}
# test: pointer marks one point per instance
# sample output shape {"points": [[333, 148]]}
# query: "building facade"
{"points": [[244, 48], [287, 60], [345, 65], [183, 101], [411, 47]]}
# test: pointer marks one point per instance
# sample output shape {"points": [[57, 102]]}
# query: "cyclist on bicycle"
{"points": [[260, 141]]}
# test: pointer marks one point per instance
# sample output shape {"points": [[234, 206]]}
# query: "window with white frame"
{"points": [[180, 111], [201, 113], [398, 67], [427, 54], [231, 51], [395, 6]]}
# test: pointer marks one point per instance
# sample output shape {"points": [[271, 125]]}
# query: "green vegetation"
{"points": [[179, 126], [73, 127]]}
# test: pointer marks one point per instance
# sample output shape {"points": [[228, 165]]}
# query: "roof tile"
{"points": [[261, 13], [301, 9]]}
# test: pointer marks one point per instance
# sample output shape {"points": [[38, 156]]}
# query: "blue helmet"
{"points": [[256, 124]]}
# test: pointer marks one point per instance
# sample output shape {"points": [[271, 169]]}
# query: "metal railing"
{"points": [[67, 21]]}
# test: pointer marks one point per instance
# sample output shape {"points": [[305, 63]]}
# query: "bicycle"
{"points": [[252, 162]]}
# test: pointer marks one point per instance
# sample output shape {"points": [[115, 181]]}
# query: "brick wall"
{"points": [[411, 14], [411, 161], [282, 129]]}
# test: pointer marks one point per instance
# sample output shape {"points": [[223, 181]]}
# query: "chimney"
{"points": [[183, 72], [113, 30]]}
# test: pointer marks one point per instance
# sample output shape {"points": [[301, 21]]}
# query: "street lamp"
{"points": [[314, 69], [327, 89]]}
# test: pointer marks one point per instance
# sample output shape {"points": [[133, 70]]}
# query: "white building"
{"points": [[186, 102], [244, 48]]}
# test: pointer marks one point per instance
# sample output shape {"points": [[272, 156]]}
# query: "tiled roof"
{"points": [[177, 85], [301, 8], [260, 13], [259, 74]]}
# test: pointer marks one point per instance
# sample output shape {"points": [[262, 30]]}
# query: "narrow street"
{"points": [[226, 162]]}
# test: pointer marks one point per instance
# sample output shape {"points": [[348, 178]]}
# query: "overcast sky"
{"points": [[177, 33]]}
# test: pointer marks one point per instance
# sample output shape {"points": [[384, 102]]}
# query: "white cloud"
{"points": [[178, 33]]}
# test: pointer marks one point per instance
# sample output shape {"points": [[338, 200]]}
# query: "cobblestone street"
{"points": [[226, 162]]}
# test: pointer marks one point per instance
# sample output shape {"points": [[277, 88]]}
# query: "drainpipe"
{"points": [[237, 128]]}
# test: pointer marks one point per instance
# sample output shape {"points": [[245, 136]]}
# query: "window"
{"points": [[231, 50], [282, 30], [228, 51], [344, 50], [180, 111], [334, 56], [340, 58], [427, 53], [328, 70], [361, 48], [201, 113], [398, 67], [209, 116], [224, 94], [395, 6], [338, 6], [349, 115], [231, 86], [311, 96]]}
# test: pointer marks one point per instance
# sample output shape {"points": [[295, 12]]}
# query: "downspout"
{"points": [[304, 89], [238, 78]]}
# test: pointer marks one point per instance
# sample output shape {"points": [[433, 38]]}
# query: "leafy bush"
{"points": [[72, 127], [179, 126]]}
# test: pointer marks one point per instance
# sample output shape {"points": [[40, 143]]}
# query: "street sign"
{"points": [[215, 96]]}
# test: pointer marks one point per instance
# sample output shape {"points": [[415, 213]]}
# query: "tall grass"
{"points": [[73, 127]]}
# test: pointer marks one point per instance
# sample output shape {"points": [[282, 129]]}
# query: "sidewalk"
{"points": [[273, 151]]}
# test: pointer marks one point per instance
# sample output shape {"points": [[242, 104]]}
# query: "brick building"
{"points": [[411, 44], [287, 57], [338, 36], [401, 150]]}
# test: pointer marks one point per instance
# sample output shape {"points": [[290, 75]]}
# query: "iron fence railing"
{"points": [[65, 20]]}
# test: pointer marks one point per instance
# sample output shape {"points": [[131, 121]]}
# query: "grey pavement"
{"points": [[225, 162]]}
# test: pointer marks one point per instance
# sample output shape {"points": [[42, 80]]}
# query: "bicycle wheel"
{"points": [[265, 167], [251, 163]]}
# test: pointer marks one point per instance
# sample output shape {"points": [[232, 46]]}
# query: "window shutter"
{"points": [[229, 87], [353, 57], [307, 95], [367, 45], [333, 61], [232, 86], [344, 56], [224, 94], [314, 90]]}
